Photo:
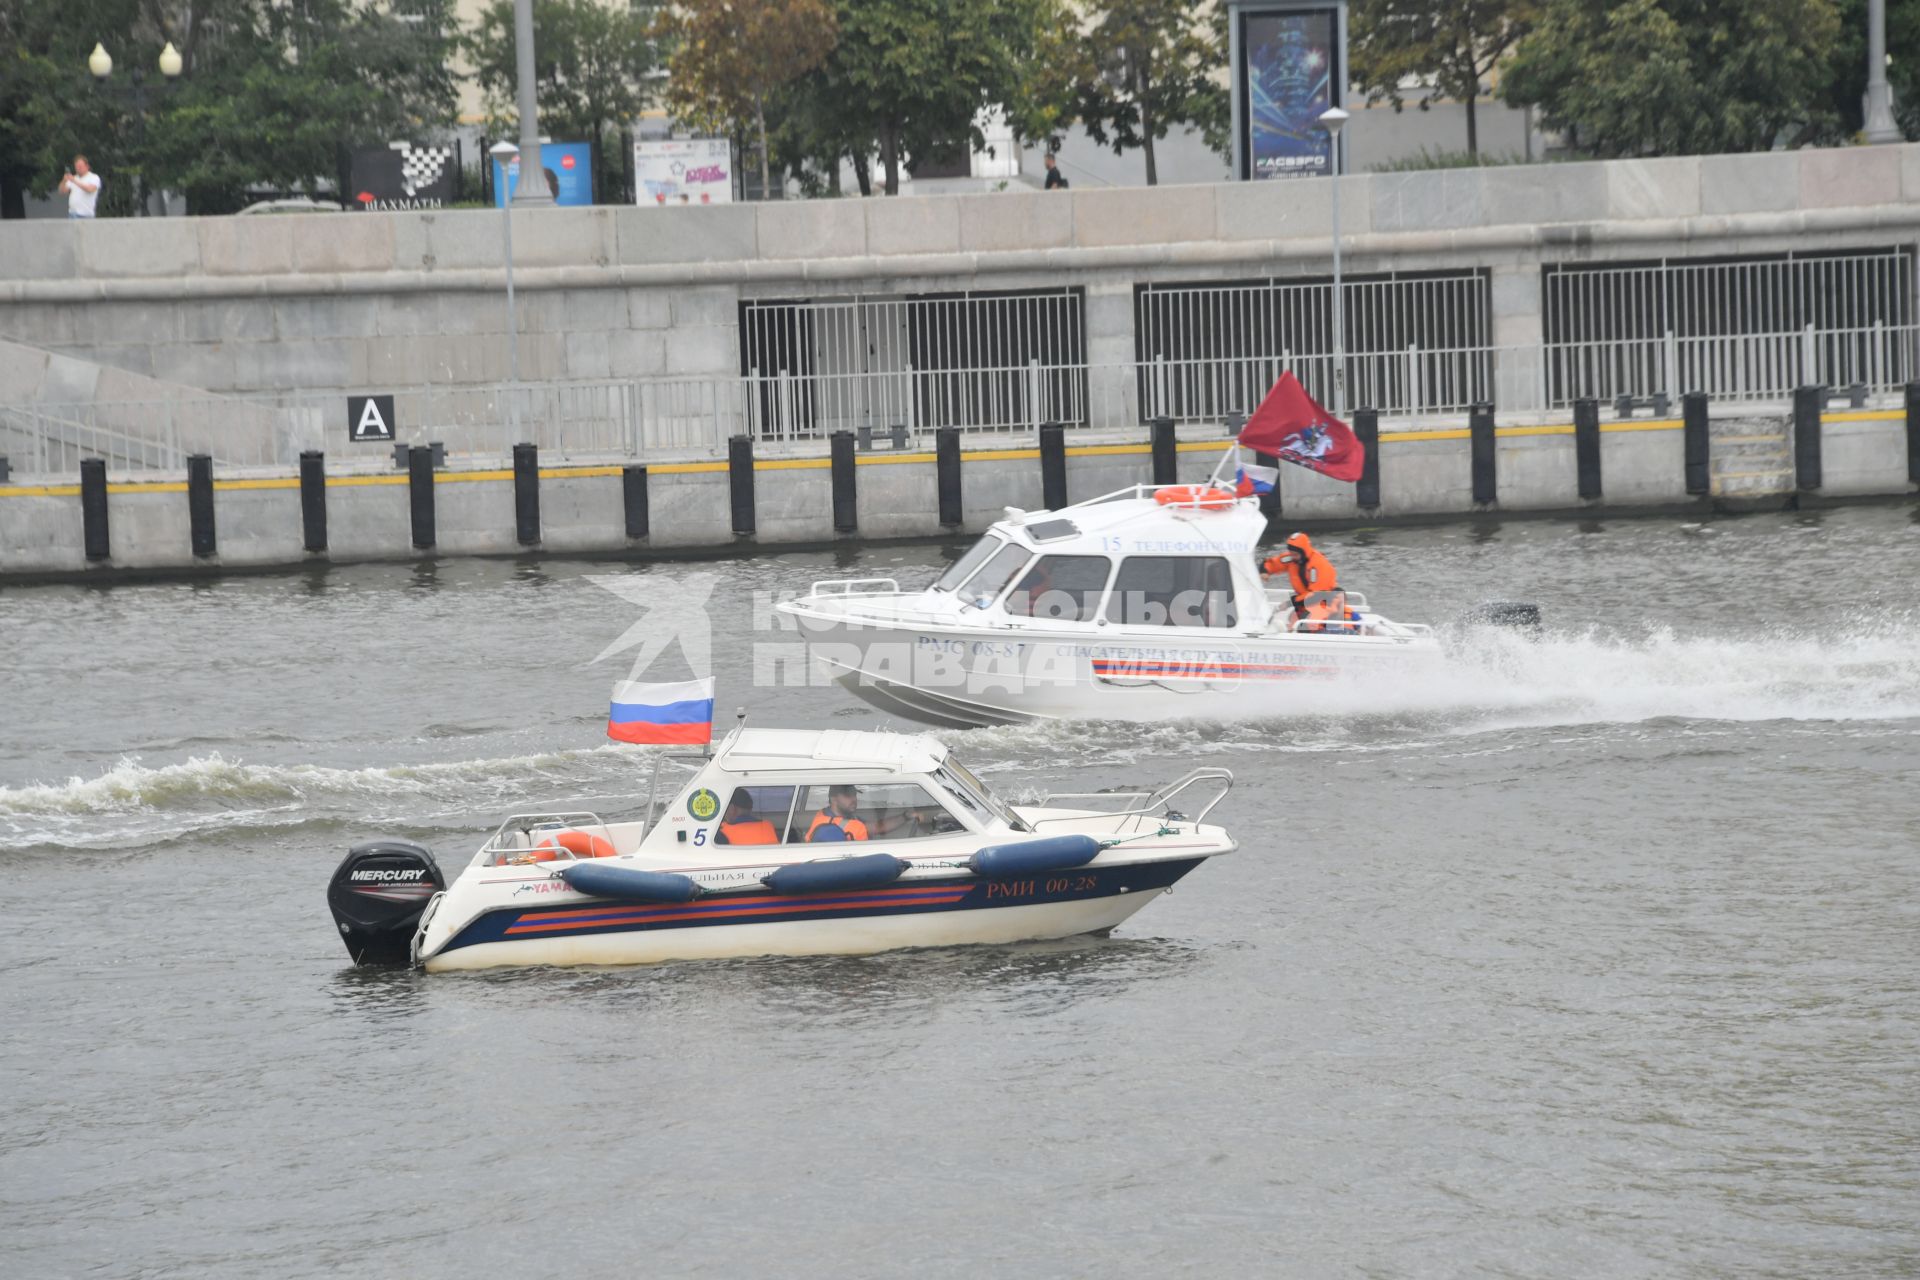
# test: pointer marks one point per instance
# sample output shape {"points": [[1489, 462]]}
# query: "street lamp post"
{"points": [[1878, 109], [506, 153], [532, 190], [1331, 120], [100, 64]]}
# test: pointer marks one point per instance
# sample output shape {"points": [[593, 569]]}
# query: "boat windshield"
{"points": [[985, 586], [973, 793], [961, 569]]}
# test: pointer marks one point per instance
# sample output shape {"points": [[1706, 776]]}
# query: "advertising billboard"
{"points": [[569, 167], [1292, 68], [404, 175], [682, 171]]}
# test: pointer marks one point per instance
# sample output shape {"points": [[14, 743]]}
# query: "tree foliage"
{"points": [[1448, 44], [1676, 77], [1152, 64], [268, 95], [914, 75], [591, 62], [731, 56]]}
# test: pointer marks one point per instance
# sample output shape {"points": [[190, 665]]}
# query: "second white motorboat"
{"points": [[1143, 604]]}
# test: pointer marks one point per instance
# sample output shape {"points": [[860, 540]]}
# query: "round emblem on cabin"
{"points": [[704, 805]]}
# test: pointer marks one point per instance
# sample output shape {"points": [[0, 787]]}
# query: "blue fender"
{"points": [[1050, 853], [603, 881], [836, 875]]}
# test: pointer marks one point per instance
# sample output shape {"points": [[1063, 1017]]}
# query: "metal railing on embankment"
{"points": [[692, 418]]}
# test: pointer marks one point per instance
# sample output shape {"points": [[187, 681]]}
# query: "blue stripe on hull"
{"points": [[966, 893]]}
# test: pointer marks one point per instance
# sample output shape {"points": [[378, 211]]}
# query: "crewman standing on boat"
{"points": [[1307, 570], [739, 826]]}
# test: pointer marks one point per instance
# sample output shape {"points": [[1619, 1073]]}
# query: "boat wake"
{"points": [[1496, 680], [135, 805]]}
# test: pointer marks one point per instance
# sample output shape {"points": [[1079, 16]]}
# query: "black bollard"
{"points": [[633, 492], [420, 494], [1807, 404], [740, 482], [1366, 429], [1693, 443], [1586, 446], [93, 507], [200, 504], [1166, 453], [1913, 432], [1053, 466], [313, 500], [946, 455], [846, 507], [526, 494], [1480, 432]]}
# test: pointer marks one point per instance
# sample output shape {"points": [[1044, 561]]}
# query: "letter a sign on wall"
{"points": [[369, 418]]}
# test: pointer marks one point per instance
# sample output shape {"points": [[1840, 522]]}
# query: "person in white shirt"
{"points": [[81, 186]]}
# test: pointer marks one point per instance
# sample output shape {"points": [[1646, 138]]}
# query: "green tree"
{"points": [[1449, 44], [268, 95], [915, 74], [731, 56], [1676, 77], [591, 62], [1152, 64]]}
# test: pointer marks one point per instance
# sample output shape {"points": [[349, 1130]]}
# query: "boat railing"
{"points": [[855, 587], [516, 838], [1151, 803], [1281, 599]]}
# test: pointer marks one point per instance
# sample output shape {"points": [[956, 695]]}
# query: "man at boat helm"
{"points": [[1307, 570], [739, 826], [837, 820]]}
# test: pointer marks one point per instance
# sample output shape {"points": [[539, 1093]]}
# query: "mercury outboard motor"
{"points": [[377, 896]]}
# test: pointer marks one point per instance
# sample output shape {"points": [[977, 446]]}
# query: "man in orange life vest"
{"points": [[739, 826], [1307, 570], [843, 799], [837, 820]]}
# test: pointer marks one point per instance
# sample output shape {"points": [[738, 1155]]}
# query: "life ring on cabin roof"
{"points": [[1205, 497]]}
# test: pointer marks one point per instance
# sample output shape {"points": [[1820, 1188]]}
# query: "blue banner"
{"points": [[1292, 66], [569, 167]]}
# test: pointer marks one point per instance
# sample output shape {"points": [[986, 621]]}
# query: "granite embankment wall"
{"points": [[393, 300], [687, 506]]}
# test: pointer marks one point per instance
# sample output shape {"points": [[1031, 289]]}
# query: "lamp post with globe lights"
{"points": [[170, 64], [506, 153]]}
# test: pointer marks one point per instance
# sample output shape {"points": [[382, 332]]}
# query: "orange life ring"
{"points": [[581, 844], [1193, 495]]}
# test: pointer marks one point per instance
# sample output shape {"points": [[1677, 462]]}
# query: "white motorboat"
{"points": [[783, 842], [1143, 604]]}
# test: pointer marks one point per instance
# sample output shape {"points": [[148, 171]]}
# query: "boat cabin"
{"points": [[777, 788], [1127, 559]]}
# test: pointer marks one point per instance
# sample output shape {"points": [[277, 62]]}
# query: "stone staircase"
{"points": [[1751, 462]]}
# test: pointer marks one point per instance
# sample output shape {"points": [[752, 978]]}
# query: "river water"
{"points": [[1599, 956]]}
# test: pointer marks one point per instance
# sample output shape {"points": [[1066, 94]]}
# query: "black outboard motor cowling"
{"points": [[377, 896]]}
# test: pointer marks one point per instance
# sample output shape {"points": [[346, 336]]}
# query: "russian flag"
{"points": [[662, 714], [1251, 480]]}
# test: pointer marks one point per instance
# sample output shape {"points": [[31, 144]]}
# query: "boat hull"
{"points": [[968, 679], [931, 913]]}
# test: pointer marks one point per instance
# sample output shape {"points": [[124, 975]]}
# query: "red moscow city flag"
{"points": [[1290, 424]]}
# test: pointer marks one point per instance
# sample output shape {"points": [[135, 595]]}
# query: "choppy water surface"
{"points": [[1599, 956]]}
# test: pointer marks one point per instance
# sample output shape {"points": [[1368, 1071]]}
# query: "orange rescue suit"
{"points": [[853, 827], [1308, 573], [748, 831]]}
